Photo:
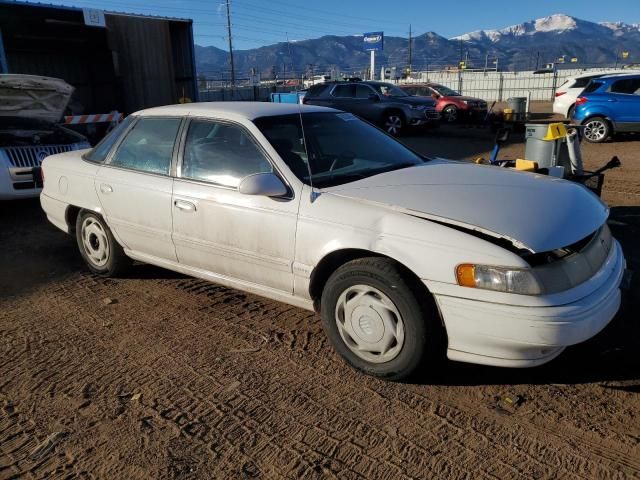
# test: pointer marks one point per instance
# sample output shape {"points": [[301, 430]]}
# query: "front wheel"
{"points": [[596, 130], [393, 123], [101, 252], [378, 320], [450, 114]]}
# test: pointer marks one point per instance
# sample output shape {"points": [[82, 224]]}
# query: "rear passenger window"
{"points": [[221, 153], [315, 90], [582, 82], [102, 149], [344, 91], [592, 87], [148, 146], [628, 85]]}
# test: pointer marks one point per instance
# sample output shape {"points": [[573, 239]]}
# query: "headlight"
{"points": [[466, 102], [501, 279]]}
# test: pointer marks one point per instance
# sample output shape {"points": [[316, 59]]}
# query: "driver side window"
{"points": [[221, 153]]}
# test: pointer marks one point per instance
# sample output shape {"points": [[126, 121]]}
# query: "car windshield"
{"points": [[445, 91], [341, 148], [389, 90]]}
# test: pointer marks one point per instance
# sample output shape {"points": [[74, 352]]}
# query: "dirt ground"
{"points": [[157, 375]]}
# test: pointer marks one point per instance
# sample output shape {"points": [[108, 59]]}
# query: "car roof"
{"points": [[604, 73], [232, 110], [619, 76]]}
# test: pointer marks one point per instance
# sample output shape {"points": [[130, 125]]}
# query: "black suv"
{"points": [[382, 104]]}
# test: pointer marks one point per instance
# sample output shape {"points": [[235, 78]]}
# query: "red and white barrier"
{"points": [[94, 118]]}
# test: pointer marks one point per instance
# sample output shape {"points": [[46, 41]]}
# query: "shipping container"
{"points": [[129, 63]]}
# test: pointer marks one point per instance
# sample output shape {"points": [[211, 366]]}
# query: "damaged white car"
{"points": [[405, 257]]}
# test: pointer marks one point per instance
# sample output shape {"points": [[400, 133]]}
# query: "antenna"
{"points": [[312, 197]]}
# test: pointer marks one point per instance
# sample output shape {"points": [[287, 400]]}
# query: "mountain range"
{"points": [[518, 47]]}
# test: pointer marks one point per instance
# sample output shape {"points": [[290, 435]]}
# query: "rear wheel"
{"points": [[596, 129], [378, 320], [101, 252], [393, 123]]}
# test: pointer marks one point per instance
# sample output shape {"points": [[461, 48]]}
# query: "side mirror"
{"points": [[373, 97], [435, 95], [264, 184]]}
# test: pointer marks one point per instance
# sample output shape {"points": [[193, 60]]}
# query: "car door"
{"points": [[135, 187], [220, 230], [366, 103], [343, 97], [624, 100]]}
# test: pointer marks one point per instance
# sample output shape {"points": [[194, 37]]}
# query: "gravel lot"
{"points": [[158, 375]]}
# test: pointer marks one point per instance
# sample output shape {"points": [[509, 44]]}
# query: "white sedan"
{"points": [[405, 257]]}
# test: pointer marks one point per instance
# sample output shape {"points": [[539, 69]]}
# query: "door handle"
{"points": [[612, 100], [184, 205], [104, 188]]}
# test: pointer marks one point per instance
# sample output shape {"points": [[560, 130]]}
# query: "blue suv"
{"points": [[609, 105]]}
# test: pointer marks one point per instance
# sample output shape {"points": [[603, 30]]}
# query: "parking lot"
{"points": [[157, 375]]}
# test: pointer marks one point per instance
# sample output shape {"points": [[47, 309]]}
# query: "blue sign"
{"points": [[373, 41]]}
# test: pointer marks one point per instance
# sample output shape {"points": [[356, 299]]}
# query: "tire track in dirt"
{"points": [[272, 405]]}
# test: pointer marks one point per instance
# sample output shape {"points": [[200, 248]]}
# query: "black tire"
{"points": [[423, 335], [450, 114], [393, 123], [92, 228], [597, 129]]}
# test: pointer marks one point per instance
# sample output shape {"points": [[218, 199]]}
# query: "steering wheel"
{"points": [[347, 156]]}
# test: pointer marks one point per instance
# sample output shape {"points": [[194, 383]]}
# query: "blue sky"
{"points": [[260, 22]]}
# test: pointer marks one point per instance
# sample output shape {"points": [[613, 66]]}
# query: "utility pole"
{"points": [[486, 62], [233, 68], [538, 61], [410, 42]]}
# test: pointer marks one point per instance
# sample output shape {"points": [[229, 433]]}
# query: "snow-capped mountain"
{"points": [[520, 47], [556, 24]]}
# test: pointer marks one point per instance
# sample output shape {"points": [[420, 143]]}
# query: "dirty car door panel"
{"points": [[134, 188], [217, 228]]}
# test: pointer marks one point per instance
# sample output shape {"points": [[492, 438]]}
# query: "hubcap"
{"points": [[393, 124], [369, 324], [595, 130], [95, 242], [450, 114]]}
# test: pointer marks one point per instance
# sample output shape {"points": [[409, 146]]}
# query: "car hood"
{"points": [[532, 211], [461, 98], [413, 100]]}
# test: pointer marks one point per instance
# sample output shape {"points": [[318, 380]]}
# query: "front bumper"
{"points": [[17, 183], [416, 118], [525, 336]]}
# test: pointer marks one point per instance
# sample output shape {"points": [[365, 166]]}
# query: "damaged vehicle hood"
{"points": [[532, 211]]}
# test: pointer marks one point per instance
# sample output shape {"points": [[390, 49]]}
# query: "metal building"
{"points": [[116, 61]]}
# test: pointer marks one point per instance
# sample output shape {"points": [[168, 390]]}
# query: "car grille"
{"points": [[478, 105], [431, 114], [33, 156]]}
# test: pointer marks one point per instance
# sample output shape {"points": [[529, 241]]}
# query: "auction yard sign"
{"points": [[373, 41]]}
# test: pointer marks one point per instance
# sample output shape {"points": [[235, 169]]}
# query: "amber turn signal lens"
{"points": [[465, 274]]}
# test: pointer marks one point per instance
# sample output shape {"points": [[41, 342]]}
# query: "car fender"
{"points": [[429, 249], [71, 180]]}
